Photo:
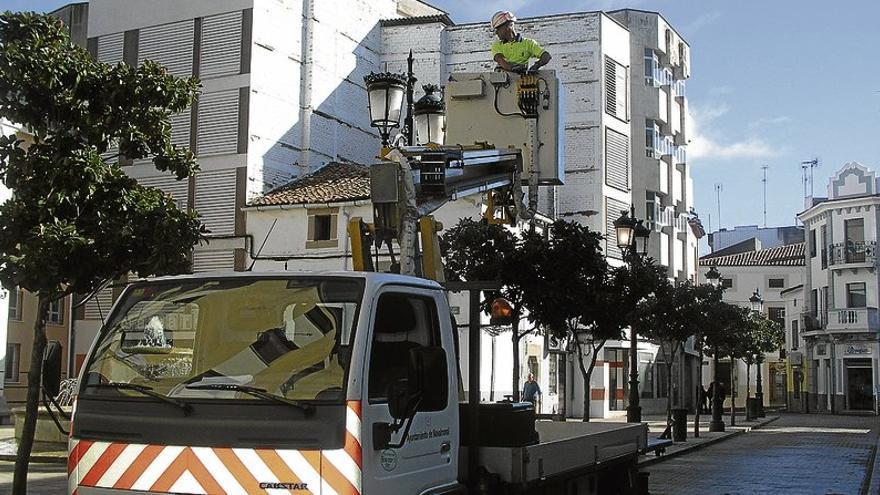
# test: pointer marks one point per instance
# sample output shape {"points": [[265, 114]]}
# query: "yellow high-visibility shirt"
{"points": [[519, 51]]}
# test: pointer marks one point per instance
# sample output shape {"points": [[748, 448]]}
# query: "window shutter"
{"points": [[610, 86], [613, 208], [616, 160]]}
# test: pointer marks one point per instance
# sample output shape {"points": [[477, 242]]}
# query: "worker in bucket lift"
{"points": [[512, 52]]}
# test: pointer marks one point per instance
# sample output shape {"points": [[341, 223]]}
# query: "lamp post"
{"points": [[757, 303], [632, 239], [430, 116], [717, 423]]}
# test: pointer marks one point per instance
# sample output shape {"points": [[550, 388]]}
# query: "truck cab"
{"points": [[270, 383]]}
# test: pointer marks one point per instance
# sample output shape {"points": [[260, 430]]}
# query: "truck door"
{"points": [[403, 321]]}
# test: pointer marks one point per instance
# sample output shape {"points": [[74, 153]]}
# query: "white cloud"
{"points": [[770, 121], [700, 22], [706, 143]]}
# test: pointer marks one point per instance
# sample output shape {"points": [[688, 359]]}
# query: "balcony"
{"points": [[853, 320], [852, 254]]}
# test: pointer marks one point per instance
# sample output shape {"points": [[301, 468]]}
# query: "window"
{"points": [[727, 283], [646, 372], [322, 230], [824, 247], [776, 283], [615, 89], [777, 315], [616, 159], [855, 295], [795, 335], [812, 243], [814, 302], [13, 353], [403, 322], [652, 62], [855, 240], [56, 313], [15, 301], [553, 374]]}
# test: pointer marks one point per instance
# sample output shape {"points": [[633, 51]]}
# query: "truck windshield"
{"points": [[186, 339]]}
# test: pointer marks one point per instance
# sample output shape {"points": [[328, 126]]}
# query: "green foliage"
{"points": [[74, 219]]}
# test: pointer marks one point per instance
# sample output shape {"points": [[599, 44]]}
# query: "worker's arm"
{"points": [[545, 58], [503, 63]]}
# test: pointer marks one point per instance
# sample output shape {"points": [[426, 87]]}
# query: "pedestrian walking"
{"points": [[531, 390], [704, 399]]}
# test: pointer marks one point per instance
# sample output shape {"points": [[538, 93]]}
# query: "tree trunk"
{"points": [[732, 391], [699, 392], [492, 373], [515, 338], [748, 380], [587, 374], [35, 372]]}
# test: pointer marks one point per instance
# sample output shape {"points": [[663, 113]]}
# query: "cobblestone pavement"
{"points": [[799, 454]]}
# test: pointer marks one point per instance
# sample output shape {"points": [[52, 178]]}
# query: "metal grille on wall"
{"points": [[213, 261], [616, 159], [613, 208], [170, 45], [99, 306], [110, 48], [178, 189], [221, 45], [215, 200], [218, 123]]}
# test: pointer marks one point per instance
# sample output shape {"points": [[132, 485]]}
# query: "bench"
{"points": [[657, 446]]}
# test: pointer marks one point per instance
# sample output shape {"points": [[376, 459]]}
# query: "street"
{"points": [[798, 454]]}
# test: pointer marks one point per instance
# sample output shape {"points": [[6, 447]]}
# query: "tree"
{"points": [[762, 335], [721, 337], [579, 298], [75, 220], [479, 251], [708, 315]]}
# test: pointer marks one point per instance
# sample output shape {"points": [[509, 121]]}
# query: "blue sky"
{"points": [[773, 83]]}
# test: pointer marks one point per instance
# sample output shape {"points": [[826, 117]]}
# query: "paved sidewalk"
{"points": [[41, 453], [657, 424]]}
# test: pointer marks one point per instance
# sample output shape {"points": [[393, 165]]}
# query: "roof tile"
{"points": [[333, 183], [788, 255]]}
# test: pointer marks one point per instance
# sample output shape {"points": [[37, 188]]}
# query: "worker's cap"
{"points": [[501, 18]]}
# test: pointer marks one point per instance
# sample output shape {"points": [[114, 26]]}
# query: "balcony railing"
{"points": [[854, 319], [852, 252]]}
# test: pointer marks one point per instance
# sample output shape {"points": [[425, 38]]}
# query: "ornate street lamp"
{"points": [[632, 239], [386, 91], [757, 302], [430, 116], [642, 235], [717, 422], [625, 227], [713, 277]]}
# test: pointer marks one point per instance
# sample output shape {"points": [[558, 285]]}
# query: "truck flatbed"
{"points": [[564, 447]]}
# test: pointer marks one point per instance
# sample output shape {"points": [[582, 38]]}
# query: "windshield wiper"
{"points": [[254, 391], [146, 390]]}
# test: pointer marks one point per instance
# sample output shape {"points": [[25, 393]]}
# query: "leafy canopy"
{"points": [[75, 219]]}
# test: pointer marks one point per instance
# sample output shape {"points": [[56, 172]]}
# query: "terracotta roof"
{"points": [[332, 183], [422, 19], [788, 255]]}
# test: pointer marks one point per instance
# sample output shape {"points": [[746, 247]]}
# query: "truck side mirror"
{"points": [[400, 398], [428, 377], [52, 368]]}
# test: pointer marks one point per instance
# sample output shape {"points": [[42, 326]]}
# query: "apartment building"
{"points": [[839, 339], [771, 274], [769, 236]]}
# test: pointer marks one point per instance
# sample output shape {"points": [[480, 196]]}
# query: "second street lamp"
{"points": [[430, 116], [757, 303], [632, 239]]}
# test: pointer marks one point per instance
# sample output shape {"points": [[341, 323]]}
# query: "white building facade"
{"points": [[770, 273], [841, 325]]}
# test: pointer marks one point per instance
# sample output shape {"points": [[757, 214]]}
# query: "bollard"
{"points": [[751, 409], [679, 425]]}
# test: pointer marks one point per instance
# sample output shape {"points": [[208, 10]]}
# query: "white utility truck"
{"points": [[337, 383]]}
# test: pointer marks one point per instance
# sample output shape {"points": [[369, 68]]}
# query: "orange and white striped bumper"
{"points": [[218, 471]]}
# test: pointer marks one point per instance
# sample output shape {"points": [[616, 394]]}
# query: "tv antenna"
{"points": [[719, 188], [807, 167], [764, 182]]}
